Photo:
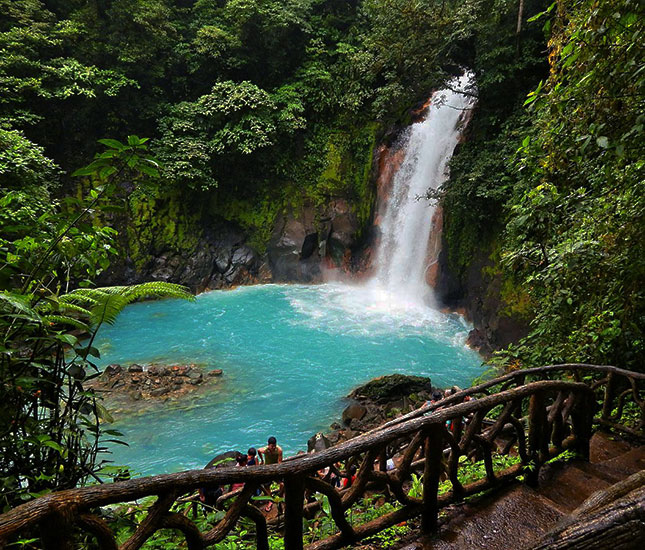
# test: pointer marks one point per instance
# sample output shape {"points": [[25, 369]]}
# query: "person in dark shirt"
{"points": [[242, 462]]}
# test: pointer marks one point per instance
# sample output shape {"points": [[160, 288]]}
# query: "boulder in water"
{"points": [[112, 370], [386, 389], [155, 381], [224, 460]]}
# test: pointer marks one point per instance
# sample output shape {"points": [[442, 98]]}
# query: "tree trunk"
{"points": [[619, 525], [518, 29]]}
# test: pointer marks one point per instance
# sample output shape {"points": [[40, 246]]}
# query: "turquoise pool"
{"points": [[289, 354]]}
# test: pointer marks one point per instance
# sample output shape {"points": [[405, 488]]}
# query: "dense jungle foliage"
{"points": [[254, 105], [555, 186]]}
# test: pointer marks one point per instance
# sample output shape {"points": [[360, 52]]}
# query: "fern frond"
{"points": [[114, 289], [157, 289], [79, 296], [106, 303], [107, 309], [65, 320], [69, 307]]}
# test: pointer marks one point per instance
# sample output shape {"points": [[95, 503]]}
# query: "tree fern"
{"points": [[105, 304], [81, 295], [73, 308], [66, 320]]}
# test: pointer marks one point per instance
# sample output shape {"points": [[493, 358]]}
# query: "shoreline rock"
{"points": [[154, 382], [377, 402]]}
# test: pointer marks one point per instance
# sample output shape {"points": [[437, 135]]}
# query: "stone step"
{"points": [[569, 485], [511, 519], [604, 446], [606, 473], [518, 516], [627, 463]]}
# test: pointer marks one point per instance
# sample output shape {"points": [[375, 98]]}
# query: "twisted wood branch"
{"points": [[219, 532], [336, 504], [100, 529], [151, 522], [192, 534], [369, 445]]}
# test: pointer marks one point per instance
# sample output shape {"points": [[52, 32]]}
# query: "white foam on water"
{"points": [[370, 310], [397, 299]]}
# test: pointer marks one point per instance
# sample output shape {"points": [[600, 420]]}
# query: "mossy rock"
{"points": [[391, 388]]}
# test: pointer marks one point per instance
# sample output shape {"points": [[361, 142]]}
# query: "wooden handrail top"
{"points": [[74, 500], [459, 396]]}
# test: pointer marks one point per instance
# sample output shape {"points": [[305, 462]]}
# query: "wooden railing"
{"points": [[524, 414]]}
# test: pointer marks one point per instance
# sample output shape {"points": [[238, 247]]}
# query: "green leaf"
{"points": [[67, 339], [89, 350], [114, 143], [55, 446], [105, 415], [135, 140], [86, 171]]}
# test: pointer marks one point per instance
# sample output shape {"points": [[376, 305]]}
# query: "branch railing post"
{"points": [[382, 460], [433, 452], [294, 496], [582, 421], [566, 423], [608, 399], [56, 531], [537, 421]]}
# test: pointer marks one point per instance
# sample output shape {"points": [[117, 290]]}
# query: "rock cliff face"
{"points": [[217, 258], [307, 242], [478, 294]]}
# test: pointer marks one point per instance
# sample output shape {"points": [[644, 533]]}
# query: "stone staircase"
{"points": [[519, 516]]}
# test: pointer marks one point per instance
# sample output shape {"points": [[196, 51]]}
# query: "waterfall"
{"points": [[401, 257]]}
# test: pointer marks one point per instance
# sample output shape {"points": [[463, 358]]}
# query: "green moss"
{"points": [[158, 225], [347, 171], [336, 163], [255, 216], [515, 300]]}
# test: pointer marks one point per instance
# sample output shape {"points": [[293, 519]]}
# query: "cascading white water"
{"points": [[405, 229]]}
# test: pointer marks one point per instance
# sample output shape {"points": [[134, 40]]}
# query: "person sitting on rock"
{"points": [[209, 495], [436, 397], [351, 477], [251, 456]]}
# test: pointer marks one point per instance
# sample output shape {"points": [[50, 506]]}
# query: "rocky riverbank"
{"points": [[373, 404], [128, 385]]}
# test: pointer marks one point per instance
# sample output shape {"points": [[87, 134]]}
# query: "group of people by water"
{"points": [[269, 454], [272, 454], [437, 396]]}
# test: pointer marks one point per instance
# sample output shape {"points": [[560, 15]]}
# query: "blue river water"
{"points": [[289, 353]]}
